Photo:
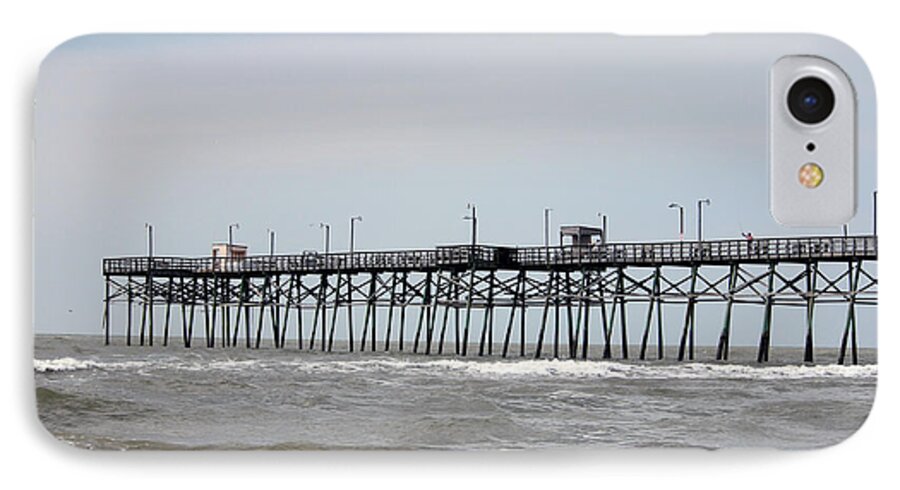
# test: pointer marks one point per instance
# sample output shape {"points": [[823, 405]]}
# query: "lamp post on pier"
{"points": [[473, 217], [604, 235], [547, 212], [874, 213], [232, 227], [271, 234], [327, 228], [149, 228], [675, 205], [700, 203], [353, 221]]}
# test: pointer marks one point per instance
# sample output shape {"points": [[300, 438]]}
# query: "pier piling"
{"points": [[567, 282]]}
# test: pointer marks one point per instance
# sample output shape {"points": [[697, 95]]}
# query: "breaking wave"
{"points": [[63, 364], [473, 368]]}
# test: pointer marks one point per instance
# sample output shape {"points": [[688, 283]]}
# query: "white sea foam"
{"points": [[71, 364], [476, 368], [62, 364], [593, 369]]}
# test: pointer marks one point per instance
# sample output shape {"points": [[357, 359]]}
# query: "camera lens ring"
{"points": [[810, 100]]}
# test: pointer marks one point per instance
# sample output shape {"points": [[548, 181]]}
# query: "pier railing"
{"points": [[707, 252], [761, 250]]}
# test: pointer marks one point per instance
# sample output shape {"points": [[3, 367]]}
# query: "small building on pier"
{"points": [[580, 235], [229, 250], [228, 256]]}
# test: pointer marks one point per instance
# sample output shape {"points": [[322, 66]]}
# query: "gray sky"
{"points": [[192, 133]]}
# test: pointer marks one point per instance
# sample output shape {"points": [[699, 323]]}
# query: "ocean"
{"points": [[116, 397]]}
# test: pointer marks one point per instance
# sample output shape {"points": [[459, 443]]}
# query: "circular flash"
{"points": [[811, 175]]}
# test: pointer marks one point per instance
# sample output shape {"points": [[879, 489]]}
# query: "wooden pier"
{"points": [[580, 291]]}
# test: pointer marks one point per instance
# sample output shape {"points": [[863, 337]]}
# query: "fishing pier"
{"points": [[475, 299]]}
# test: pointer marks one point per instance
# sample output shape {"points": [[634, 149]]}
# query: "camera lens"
{"points": [[810, 100]]}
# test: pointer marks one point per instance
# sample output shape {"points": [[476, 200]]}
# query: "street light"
{"points": [[674, 205], [231, 236], [700, 203], [603, 234], [474, 219], [547, 212], [874, 213], [353, 221], [271, 234], [327, 228], [149, 229]]}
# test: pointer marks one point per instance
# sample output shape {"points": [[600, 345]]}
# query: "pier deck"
{"points": [[460, 257]]}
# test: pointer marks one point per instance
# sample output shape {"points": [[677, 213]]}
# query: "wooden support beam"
{"points": [[723, 347], [586, 318], [205, 299], [660, 348], [424, 312], [247, 312], [854, 349], [456, 318], [320, 300], [453, 286], [812, 271], [419, 328], [470, 295], [190, 336], [392, 301], [226, 313], [487, 321], [403, 292], [431, 301], [546, 311], [572, 341], [215, 307], [150, 301], [286, 316], [370, 305], [374, 306], [275, 312], [299, 303], [654, 297], [143, 315], [621, 297], [517, 299], [604, 321], [168, 312], [850, 324], [349, 312], [242, 300], [687, 334], [556, 305], [522, 319], [334, 312], [263, 300], [184, 326], [106, 300], [490, 311], [765, 338]]}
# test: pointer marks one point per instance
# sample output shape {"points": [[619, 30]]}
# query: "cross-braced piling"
{"points": [[580, 294]]}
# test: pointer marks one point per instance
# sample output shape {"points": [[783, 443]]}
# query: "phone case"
{"points": [[438, 242]]}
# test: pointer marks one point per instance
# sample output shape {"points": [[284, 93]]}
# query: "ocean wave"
{"points": [[597, 369], [64, 364], [479, 368], [606, 369]]}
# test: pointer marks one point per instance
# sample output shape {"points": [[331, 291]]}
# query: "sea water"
{"points": [[118, 397]]}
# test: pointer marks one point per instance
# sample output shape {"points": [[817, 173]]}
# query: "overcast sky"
{"points": [[192, 133]]}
